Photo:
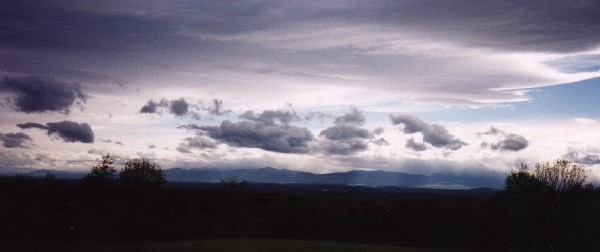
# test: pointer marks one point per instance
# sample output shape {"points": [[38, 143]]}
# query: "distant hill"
{"points": [[356, 177], [42, 173], [283, 176]]}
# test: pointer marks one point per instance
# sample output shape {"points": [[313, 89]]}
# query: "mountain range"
{"points": [[355, 177]]}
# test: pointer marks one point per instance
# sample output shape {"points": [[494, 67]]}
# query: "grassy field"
{"points": [[234, 244]]}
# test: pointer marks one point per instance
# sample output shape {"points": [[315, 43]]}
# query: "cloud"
{"points": [[587, 157], [150, 107], [318, 115], [32, 94], [525, 25], [436, 135], [269, 130], [341, 132], [217, 108], [411, 144], [344, 147], [346, 137], [511, 142], [14, 140], [72, 131], [196, 142], [505, 142], [31, 125], [355, 117], [270, 117], [66, 130], [179, 107], [258, 134]]}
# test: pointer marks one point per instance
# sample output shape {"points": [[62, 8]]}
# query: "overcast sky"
{"points": [[319, 86]]}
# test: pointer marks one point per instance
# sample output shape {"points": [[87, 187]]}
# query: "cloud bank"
{"points": [[15, 140], [32, 94], [269, 130], [347, 137]]}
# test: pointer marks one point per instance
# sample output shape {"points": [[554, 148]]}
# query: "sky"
{"points": [[464, 87]]}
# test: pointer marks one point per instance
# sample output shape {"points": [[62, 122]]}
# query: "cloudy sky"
{"points": [[319, 86]]}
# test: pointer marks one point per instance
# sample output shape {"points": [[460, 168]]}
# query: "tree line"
{"points": [[137, 172]]}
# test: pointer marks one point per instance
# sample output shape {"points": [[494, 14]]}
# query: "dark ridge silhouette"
{"points": [[366, 178]]}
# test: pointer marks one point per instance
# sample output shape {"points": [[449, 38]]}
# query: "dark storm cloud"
{"points": [[150, 107], [259, 134], [411, 144], [31, 125], [269, 130], [559, 26], [523, 25], [71, 131], [14, 140], [586, 157], [354, 117], [196, 142], [217, 108], [179, 107], [346, 137], [32, 94], [50, 24], [436, 135], [66, 130], [143, 26], [506, 142]]}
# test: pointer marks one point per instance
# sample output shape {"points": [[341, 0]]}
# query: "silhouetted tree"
{"points": [[561, 175], [542, 205], [523, 180], [142, 172], [101, 174]]}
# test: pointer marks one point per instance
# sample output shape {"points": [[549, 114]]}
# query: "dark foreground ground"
{"points": [[230, 245], [42, 214]]}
